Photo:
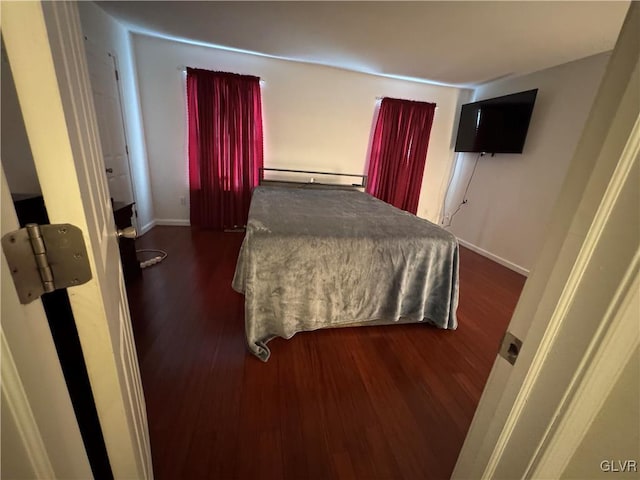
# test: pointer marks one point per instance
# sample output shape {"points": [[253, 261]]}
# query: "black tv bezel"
{"points": [[533, 92]]}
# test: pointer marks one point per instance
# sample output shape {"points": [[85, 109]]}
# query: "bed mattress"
{"points": [[315, 258]]}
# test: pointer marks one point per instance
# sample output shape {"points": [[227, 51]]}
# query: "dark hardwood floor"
{"points": [[368, 402]]}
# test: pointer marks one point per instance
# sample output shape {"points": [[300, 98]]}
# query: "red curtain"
{"points": [[225, 146], [399, 152]]}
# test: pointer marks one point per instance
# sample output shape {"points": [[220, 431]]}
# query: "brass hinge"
{"points": [[44, 258]]}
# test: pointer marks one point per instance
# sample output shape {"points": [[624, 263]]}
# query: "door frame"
{"points": [[575, 297]]}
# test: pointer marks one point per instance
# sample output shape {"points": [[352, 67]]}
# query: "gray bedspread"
{"points": [[317, 258]]}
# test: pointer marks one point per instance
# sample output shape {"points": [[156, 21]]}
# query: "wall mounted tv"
{"points": [[497, 125]]}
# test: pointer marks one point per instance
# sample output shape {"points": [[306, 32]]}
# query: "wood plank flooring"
{"points": [[369, 402]]}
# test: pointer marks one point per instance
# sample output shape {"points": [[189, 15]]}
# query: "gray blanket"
{"points": [[317, 258]]}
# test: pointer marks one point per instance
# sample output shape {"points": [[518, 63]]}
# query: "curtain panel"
{"points": [[399, 152], [225, 146]]}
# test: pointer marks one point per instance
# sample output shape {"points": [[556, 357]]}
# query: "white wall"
{"points": [[101, 29], [315, 118], [511, 196], [15, 151]]}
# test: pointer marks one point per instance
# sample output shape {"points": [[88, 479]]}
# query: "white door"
{"points": [[106, 96], [40, 434], [45, 48], [532, 416]]}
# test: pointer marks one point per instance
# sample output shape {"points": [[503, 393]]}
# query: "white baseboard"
{"points": [[172, 222], [495, 258]]}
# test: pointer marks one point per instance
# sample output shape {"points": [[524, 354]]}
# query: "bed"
{"points": [[322, 257]]}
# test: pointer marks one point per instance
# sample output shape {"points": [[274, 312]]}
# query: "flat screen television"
{"points": [[496, 125]]}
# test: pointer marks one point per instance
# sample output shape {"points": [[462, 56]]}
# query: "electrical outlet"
{"points": [[183, 200]]}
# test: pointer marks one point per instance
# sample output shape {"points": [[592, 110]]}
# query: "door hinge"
{"points": [[44, 258], [117, 77], [126, 149]]}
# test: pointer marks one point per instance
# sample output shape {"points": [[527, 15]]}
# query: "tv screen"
{"points": [[497, 125]]}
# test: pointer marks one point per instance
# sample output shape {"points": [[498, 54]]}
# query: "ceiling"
{"points": [[457, 43]]}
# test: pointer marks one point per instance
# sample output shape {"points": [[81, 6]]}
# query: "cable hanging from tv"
{"points": [[465, 200]]}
